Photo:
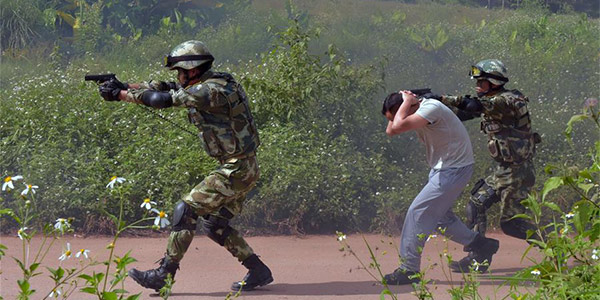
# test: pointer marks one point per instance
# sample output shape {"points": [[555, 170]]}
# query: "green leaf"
{"points": [[553, 207], [384, 293], [109, 296], [521, 216], [513, 36], [86, 277], [133, 297], [585, 187], [574, 119], [549, 168], [551, 184], [89, 290], [586, 174]]}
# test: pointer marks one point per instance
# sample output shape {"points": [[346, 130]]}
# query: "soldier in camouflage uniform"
{"points": [[218, 106], [511, 143]]}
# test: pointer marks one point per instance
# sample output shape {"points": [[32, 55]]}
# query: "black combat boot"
{"points": [[155, 278], [400, 277], [258, 275], [481, 250]]}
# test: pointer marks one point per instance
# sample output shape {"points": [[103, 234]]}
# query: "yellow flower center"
{"points": [[29, 186], [82, 250], [68, 253], [161, 214], [113, 178], [7, 179], [147, 200]]}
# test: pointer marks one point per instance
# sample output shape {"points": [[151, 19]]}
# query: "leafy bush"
{"points": [[315, 86]]}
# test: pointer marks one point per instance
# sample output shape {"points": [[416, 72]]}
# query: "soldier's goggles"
{"points": [[171, 60], [477, 72]]}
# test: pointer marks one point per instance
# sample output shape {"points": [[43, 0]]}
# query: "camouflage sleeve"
{"points": [[460, 106], [162, 86], [202, 96], [451, 101], [135, 95]]}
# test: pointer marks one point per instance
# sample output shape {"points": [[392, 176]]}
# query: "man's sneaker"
{"points": [[400, 276], [480, 256], [258, 275], [155, 278]]}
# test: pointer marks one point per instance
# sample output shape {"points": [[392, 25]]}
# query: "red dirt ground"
{"points": [[309, 267]]}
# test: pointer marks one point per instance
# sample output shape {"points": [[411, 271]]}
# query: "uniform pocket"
{"points": [[211, 143], [228, 142], [500, 150]]}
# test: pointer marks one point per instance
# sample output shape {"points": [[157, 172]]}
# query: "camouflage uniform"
{"points": [[511, 142], [219, 108], [505, 119]]}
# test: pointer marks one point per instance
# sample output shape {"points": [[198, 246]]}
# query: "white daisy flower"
{"points": [[536, 272], [62, 225], [55, 293], [570, 215], [476, 265], [595, 254], [431, 236], [21, 233], [83, 252], [8, 182], [147, 204], [161, 218], [29, 187], [341, 237], [67, 253], [114, 180]]}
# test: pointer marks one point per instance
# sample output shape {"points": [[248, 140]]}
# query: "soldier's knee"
{"points": [[516, 228], [217, 227], [483, 195], [184, 217]]}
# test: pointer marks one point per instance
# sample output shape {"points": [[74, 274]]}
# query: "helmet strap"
{"points": [[186, 79]]}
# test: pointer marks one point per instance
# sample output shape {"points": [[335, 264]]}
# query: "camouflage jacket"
{"points": [[505, 119], [218, 106]]}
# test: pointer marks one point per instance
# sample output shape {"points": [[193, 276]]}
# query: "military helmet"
{"points": [[189, 55], [492, 70]]}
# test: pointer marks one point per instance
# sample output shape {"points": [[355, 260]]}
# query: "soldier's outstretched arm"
{"points": [[465, 107]]}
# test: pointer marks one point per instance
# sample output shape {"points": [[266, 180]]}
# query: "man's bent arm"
{"points": [[404, 120]]}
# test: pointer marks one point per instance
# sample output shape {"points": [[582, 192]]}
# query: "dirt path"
{"points": [[310, 267]]}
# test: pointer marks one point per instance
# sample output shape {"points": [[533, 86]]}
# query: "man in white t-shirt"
{"points": [[450, 156]]}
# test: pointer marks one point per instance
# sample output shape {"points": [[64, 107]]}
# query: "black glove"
{"points": [[110, 90]]}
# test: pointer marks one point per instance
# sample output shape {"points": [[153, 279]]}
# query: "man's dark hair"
{"points": [[391, 103]]}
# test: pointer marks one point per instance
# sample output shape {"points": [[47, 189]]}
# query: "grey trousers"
{"points": [[432, 209]]}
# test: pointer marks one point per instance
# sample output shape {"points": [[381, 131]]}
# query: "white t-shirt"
{"points": [[445, 137]]}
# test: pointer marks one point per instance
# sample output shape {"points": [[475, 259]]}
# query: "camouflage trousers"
{"points": [[512, 183], [221, 194]]}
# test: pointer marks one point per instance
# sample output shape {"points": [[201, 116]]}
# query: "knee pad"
{"points": [[184, 217], [483, 195], [516, 228], [217, 228]]}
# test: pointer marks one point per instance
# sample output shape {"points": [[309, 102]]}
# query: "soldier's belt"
{"points": [[234, 159]]}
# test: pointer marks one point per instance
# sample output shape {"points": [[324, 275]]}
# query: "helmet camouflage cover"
{"points": [[188, 55], [492, 70]]}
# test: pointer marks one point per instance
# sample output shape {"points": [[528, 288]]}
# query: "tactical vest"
{"points": [[226, 131], [509, 131]]}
